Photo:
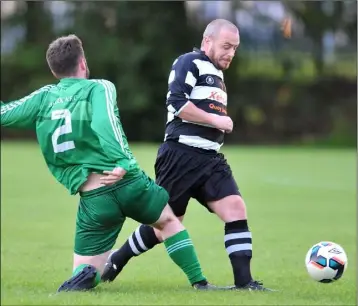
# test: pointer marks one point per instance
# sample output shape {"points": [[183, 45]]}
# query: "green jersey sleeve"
{"points": [[23, 113], [106, 123]]}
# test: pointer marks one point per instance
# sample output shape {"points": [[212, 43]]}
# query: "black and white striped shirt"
{"points": [[194, 78]]}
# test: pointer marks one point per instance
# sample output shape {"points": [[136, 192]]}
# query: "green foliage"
{"points": [[280, 99]]}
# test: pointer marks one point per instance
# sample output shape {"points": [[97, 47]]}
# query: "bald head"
{"points": [[214, 28], [220, 40]]}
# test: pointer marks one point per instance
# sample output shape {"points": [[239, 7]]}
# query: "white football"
{"points": [[326, 261]]}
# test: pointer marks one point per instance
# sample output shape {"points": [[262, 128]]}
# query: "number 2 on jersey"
{"points": [[61, 130]]}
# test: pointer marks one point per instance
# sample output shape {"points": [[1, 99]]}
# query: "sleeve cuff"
{"points": [[179, 111], [172, 109]]}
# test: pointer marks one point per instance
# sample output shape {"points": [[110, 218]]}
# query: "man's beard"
{"points": [[211, 55], [214, 60]]}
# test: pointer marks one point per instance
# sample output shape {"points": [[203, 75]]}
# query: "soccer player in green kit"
{"points": [[81, 138]]}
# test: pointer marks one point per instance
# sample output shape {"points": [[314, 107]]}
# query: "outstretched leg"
{"points": [[143, 239], [98, 224], [238, 240], [86, 273], [177, 243]]}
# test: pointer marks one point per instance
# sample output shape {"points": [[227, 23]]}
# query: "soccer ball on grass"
{"points": [[326, 262]]}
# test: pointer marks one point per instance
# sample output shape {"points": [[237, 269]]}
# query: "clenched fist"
{"points": [[223, 123]]}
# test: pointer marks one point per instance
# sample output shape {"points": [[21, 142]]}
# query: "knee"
{"points": [[231, 208], [167, 217], [236, 209]]}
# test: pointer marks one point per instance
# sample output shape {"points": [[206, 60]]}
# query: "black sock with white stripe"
{"points": [[238, 244], [141, 240]]}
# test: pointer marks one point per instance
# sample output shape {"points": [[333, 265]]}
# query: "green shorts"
{"points": [[102, 212]]}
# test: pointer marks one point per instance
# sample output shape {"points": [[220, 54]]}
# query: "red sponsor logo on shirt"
{"points": [[217, 97]]}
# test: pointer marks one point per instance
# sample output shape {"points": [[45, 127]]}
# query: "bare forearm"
{"points": [[194, 114]]}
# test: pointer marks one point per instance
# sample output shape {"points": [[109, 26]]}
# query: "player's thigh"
{"points": [[98, 223], [177, 171], [218, 186], [142, 200]]}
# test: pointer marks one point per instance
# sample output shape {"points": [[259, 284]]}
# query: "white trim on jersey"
{"points": [[179, 111], [109, 90], [170, 117], [202, 124], [171, 77], [171, 109], [199, 142], [211, 93], [190, 79], [175, 61], [206, 67], [11, 105]]}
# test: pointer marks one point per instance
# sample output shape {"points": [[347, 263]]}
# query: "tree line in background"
{"points": [[133, 44]]}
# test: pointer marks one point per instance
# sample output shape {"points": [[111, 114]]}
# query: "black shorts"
{"points": [[187, 172]]}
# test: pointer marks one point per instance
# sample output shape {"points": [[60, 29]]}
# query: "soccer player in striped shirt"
{"points": [[188, 164], [82, 140]]}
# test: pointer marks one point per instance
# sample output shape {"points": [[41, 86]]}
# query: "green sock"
{"points": [[181, 250], [79, 268]]}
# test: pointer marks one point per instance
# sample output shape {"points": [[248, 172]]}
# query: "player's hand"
{"points": [[112, 177], [223, 123]]}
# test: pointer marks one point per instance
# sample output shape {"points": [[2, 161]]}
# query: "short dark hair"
{"points": [[63, 55]]}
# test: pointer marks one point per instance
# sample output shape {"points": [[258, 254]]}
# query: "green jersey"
{"points": [[78, 128]]}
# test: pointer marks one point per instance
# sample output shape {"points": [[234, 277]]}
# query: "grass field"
{"points": [[295, 197]]}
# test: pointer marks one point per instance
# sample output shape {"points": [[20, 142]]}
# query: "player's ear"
{"points": [[208, 41], [83, 64]]}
